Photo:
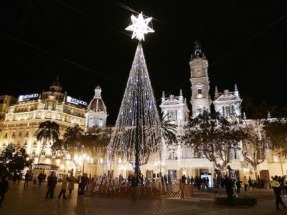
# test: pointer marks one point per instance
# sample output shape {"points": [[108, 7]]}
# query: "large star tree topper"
{"points": [[139, 27]]}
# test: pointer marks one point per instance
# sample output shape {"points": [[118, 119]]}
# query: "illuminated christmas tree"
{"points": [[137, 132]]}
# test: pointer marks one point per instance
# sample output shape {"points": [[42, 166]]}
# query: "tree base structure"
{"points": [[243, 200]]}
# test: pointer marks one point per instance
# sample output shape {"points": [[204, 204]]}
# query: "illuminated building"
{"points": [[23, 117]]}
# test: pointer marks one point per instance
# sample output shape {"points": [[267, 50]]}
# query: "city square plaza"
{"points": [[33, 201]]}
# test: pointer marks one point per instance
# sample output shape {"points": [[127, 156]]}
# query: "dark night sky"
{"points": [[85, 44]]}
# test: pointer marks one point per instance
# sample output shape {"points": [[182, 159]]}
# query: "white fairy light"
{"points": [[139, 121], [139, 27], [137, 132]]}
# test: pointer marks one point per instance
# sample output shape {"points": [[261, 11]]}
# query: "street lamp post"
{"points": [[82, 159]]}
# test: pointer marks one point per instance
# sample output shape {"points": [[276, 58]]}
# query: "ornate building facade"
{"points": [[228, 104], [24, 115], [21, 119]]}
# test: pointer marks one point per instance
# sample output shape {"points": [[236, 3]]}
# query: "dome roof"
{"points": [[56, 86], [97, 103]]}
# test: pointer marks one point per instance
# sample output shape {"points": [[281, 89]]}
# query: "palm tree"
{"points": [[71, 142], [168, 130], [75, 143], [48, 131]]}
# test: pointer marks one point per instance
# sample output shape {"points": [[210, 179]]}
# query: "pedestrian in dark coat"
{"points": [[229, 190], [51, 183], [4, 187], [134, 186]]}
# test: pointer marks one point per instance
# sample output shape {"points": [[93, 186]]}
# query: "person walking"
{"points": [[51, 183], [63, 187], [71, 183], [277, 191], [250, 183], [245, 183], [83, 184], [229, 190], [4, 187], [26, 180], [134, 186], [14, 178], [40, 179], [232, 177]]}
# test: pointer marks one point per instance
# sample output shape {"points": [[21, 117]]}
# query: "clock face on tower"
{"points": [[197, 72]]}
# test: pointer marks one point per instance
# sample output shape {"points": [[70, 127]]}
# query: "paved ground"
{"points": [[33, 202]]}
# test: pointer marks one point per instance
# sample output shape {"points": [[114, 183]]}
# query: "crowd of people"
{"points": [[230, 182]]}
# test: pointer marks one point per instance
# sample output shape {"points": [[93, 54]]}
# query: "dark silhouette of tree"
{"points": [[275, 130], [70, 144], [258, 109], [213, 137], [48, 133], [76, 143], [13, 159]]}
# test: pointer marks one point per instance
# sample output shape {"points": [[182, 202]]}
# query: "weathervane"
{"points": [[140, 26]]}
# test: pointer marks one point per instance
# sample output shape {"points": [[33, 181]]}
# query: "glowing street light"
{"points": [[82, 160]]}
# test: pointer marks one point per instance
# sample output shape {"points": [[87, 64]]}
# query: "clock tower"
{"points": [[200, 98]]}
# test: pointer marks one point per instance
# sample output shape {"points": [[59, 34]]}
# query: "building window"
{"points": [[235, 154], [38, 115], [100, 122], [232, 110], [199, 93], [48, 116], [173, 115], [58, 116], [54, 154], [91, 122]]}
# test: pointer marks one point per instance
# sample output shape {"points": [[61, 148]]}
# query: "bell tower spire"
{"points": [[200, 98]]}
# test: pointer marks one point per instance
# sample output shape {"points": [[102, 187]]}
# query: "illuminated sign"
{"points": [[76, 101], [29, 97]]}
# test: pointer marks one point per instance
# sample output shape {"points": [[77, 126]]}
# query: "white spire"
{"points": [[98, 92], [216, 92], [236, 92], [163, 97]]}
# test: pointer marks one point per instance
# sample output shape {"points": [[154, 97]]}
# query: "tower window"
{"points": [[100, 122], [199, 93], [173, 115]]}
